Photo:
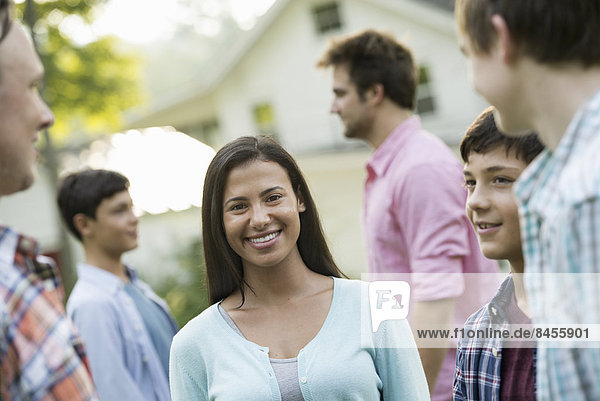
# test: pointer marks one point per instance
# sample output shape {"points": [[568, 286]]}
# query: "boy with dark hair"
{"points": [[126, 328], [413, 212], [538, 63], [485, 370]]}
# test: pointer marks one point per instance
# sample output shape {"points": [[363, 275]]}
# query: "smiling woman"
{"points": [[226, 174], [280, 307], [261, 215]]}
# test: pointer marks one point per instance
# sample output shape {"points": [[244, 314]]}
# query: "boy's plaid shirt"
{"points": [[559, 196], [41, 357]]}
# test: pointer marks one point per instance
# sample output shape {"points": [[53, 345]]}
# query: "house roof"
{"points": [[431, 13]]}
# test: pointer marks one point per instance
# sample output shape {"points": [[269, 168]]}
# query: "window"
{"points": [[327, 18], [205, 131], [425, 98], [264, 119], [210, 132]]}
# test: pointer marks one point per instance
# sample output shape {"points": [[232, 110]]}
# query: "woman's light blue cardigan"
{"points": [[344, 361]]}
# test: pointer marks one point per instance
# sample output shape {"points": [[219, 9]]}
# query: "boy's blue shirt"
{"points": [[123, 360]]}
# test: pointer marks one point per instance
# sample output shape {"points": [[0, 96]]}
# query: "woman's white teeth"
{"points": [[264, 239], [484, 226]]}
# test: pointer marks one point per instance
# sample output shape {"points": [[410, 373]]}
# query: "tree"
{"points": [[186, 291], [86, 85]]}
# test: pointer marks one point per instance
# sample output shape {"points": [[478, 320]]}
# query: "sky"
{"points": [[144, 21]]}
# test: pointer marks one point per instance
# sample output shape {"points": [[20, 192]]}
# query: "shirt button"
{"points": [[138, 327], [303, 379], [495, 352], [494, 311]]}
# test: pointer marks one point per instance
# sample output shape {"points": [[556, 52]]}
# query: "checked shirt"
{"points": [[41, 357], [478, 361], [559, 196]]}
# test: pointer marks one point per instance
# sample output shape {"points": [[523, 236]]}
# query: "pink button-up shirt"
{"points": [[414, 222]]}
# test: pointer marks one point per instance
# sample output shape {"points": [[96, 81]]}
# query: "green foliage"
{"points": [[186, 293], [86, 85]]}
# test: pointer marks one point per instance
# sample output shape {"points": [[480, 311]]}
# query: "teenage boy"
{"points": [[493, 162], [413, 212], [538, 63], [41, 356], [126, 328]]}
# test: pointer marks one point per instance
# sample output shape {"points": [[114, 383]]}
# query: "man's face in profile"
{"points": [[23, 113]]}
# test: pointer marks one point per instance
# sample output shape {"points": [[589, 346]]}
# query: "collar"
{"points": [[541, 175], [19, 243], [8, 245], [103, 279], [392, 146], [23, 251], [497, 306], [533, 177]]}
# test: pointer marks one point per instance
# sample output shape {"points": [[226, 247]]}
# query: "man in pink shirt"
{"points": [[413, 217]]}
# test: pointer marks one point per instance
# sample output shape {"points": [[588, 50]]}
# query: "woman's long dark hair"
{"points": [[223, 266]]}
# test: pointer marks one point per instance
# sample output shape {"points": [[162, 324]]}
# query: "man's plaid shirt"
{"points": [[41, 357], [478, 361]]}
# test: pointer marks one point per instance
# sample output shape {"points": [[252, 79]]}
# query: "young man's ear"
{"points": [[505, 43], [82, 224], [376, 93]]}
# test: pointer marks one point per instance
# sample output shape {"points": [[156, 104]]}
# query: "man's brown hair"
{"points": [[376, 58]]}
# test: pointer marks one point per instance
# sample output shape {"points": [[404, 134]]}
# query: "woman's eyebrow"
{"points": [[263, 193]]}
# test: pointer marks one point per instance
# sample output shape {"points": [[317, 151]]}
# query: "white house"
{"points": [[268, 82]]}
